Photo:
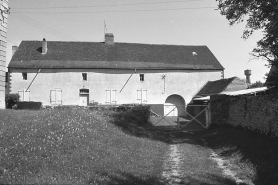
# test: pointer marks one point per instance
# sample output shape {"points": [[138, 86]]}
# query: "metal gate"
{"points": [[180, 115]]}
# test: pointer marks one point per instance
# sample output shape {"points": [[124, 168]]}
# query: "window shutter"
{"points": [[113, 96], [144, 95], [52, 96], [59, 96], [21, 95], [108, 99], [26, 95], [139, 94]]}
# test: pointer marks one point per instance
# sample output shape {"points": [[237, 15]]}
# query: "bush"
{"points": [[29, 105], [11, 100]]}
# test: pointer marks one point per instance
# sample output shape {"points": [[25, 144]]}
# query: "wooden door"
{"points": [[83, 100]]}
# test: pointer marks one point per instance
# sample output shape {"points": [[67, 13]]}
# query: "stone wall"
{"points": [[258, 113]]}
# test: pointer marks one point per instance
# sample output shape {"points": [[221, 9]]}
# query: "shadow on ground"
{"points": [[259, 150], [168, 133], [130, 179]]}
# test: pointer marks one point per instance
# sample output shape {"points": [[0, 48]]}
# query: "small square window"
{"points": [[142, 77], [24, 76], [84, 76]]}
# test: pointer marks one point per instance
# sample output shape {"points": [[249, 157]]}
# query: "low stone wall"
{"points": [[259, 113]]}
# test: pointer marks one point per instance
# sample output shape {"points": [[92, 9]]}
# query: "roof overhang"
{"points": [[237, 93], [52, 64]]}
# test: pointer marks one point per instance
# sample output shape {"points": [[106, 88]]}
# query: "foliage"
{"points": [[256, 84], [272, 78], [93, 103], [261, 15], [11, 100], [256, 113], [29, 105]]}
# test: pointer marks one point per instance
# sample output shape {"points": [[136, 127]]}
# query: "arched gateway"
{"points": [[174, 106]]}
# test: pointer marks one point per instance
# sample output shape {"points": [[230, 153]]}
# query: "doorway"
{"points": [[174, 106], [83, 97]]}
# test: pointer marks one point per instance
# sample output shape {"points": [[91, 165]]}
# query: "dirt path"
{"points": [[192, 164]]}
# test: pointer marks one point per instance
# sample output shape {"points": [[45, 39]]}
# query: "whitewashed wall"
{"points": [[183, 83]]}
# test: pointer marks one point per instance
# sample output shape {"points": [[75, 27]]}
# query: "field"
{"points": [[73, 146], [84, 146]]}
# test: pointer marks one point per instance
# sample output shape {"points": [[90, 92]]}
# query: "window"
{"points": [[142, 95], [141, 77], [24, 76], [84, 76], [56, 96], [110, 96], [83, 91], [24, 95]]}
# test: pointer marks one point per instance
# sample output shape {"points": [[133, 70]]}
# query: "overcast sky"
{"points": [[175, 22]]}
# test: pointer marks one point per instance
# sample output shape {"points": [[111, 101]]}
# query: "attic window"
{"points": [[84, 76], [24, 76], [142, 77]]}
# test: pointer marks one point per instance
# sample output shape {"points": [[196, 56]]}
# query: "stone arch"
{"points": [[176, 104]]}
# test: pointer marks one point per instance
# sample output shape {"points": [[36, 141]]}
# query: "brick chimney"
{"points": [[109, 38], [247, 74], [14, 49], [44, 46]]}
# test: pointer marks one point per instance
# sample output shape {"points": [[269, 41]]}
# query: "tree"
{"points": [[256, 84], [11, 100], [259, 15]]}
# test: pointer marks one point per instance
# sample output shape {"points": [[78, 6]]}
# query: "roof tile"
{"points": [[120, 55]]}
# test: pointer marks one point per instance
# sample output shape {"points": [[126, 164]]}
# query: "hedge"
{"points": [[29, 105]]}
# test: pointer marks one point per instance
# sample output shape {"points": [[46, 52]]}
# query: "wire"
{"points": [[120, 11], [11, 42], [41, 26], [109, 5]]}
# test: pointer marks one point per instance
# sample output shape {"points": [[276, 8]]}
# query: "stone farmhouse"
{"points": [[110, 73]]}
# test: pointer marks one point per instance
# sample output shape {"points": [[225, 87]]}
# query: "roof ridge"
{"points": [[116, 43]]}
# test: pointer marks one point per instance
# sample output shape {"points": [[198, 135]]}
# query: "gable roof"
{"points": [[118, 56], [219, 86]]}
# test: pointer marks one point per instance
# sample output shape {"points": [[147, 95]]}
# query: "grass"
{"points": [[83, 146], [252, 154], [72, 146]]}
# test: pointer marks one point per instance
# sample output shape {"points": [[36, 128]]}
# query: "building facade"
{"points": [[73, 73], [3, 44]]}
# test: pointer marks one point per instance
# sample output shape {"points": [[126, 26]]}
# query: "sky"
{"points": [[173, 22]]}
